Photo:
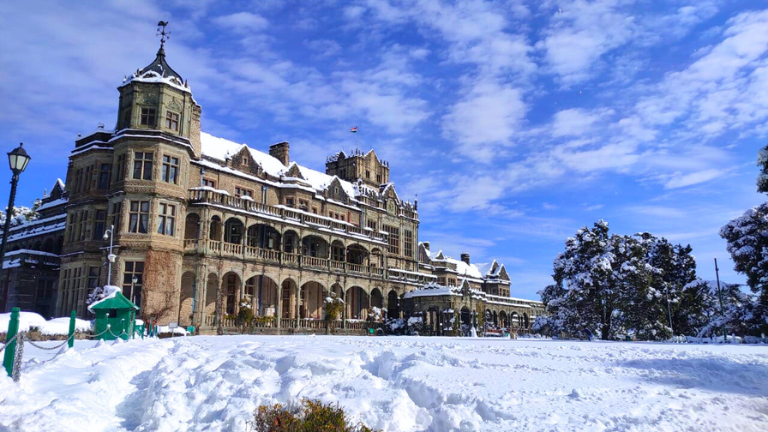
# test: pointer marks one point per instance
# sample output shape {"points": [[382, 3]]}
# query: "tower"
{"points": [[134, 179]]}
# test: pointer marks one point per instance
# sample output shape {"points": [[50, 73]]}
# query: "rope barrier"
{"points": [[52, 348], [9, 342]]}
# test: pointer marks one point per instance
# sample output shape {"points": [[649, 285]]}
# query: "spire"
{"points": [[159, 65]]}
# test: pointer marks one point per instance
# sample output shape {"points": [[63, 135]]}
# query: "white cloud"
{"points": [[573, 122], [693, 178], [487, 117], [242, 22]]}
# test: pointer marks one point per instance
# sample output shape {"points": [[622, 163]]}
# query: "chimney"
{"points": [[465, 257], [280, 152]]}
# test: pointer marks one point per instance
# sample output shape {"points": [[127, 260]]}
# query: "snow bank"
{"points": [[393, 384], [26, 320], [55, 326]]}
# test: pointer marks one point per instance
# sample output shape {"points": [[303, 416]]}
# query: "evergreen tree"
{"points": [[747, 238]]}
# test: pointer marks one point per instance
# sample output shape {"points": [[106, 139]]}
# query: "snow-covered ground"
{"points": [[395, 384]]}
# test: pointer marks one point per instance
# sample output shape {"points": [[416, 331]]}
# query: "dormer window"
{"points": [[148, 116], [172, 121]]}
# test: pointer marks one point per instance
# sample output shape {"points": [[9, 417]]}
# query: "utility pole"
{"points": [[720, 295]]}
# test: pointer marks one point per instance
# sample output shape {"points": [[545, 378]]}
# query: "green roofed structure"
{"points": [[116, 311]]}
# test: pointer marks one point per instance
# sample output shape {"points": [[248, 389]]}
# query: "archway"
{"points": [[290, 242], [231, 286], [495, 319], [357, 254], [263, 236], [466, 316], [262, 294], [503, 321], [525, 321], [514, 319], [311, 305], [214, 229], [357, 303], [185, 298], [393, 306], [233, 231], [377, 300], [338, 251], [287, 299], [210, 294], [314, 246]]}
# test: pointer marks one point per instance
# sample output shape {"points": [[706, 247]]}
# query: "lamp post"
{"points": [[18, 160], [110, 234], [134, 281]]}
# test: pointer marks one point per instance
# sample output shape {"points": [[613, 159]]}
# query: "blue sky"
{"points": [[515, 122]]}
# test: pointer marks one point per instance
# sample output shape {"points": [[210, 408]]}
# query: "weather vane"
{"points": [[164, 36]]}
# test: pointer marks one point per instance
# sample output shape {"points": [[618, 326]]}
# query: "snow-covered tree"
{"points": [[747, 238], [610, 285], [20, 215]]}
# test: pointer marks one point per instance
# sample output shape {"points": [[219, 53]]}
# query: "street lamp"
{"points": [[134, 281], [110, 234], [18, 160]]}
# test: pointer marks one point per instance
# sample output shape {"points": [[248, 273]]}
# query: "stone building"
{"points": [[30, 271], [204, 226]]}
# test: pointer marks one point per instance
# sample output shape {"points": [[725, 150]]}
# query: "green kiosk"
{"points": [[115, 311]]}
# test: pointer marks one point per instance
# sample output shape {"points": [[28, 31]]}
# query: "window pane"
{"points": [[144, 225], [148, 170], [145, 206]]}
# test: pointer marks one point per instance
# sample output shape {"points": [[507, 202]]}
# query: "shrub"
{"points": [[311, 416]]}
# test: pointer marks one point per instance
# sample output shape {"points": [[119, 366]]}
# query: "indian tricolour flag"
{"points": [[353, 130]]}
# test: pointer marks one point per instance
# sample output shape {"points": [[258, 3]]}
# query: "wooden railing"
{"points": [[197, 196]]}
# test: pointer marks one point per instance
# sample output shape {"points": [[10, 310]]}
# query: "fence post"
{"points": [[71, 338], [10, 349]]}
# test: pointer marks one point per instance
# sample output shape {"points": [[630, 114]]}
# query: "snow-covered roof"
{"points": [[221, 149]]}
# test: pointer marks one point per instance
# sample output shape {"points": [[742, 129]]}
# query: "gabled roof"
{"points": [[115, 300], [221, 149]]}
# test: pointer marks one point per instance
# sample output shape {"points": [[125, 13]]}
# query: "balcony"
{"points": [[210, 197], [276, 257]]}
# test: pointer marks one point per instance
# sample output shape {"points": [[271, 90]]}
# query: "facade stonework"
{"points": [[203, 224]]}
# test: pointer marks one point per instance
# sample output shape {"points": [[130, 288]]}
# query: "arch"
{"points": [[231, 287], [338, 251], [466, 317], [393, 304], [357, 254], [503, 320], [311, 304], [234, 230], [290, 242], [214, 229], [185, 298], [192, 226], [495, 319], [210, 293], [263, 236], [377, 299], [261, 291], [287, 299], [357, 303], [314, 246], [514, 319]]}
